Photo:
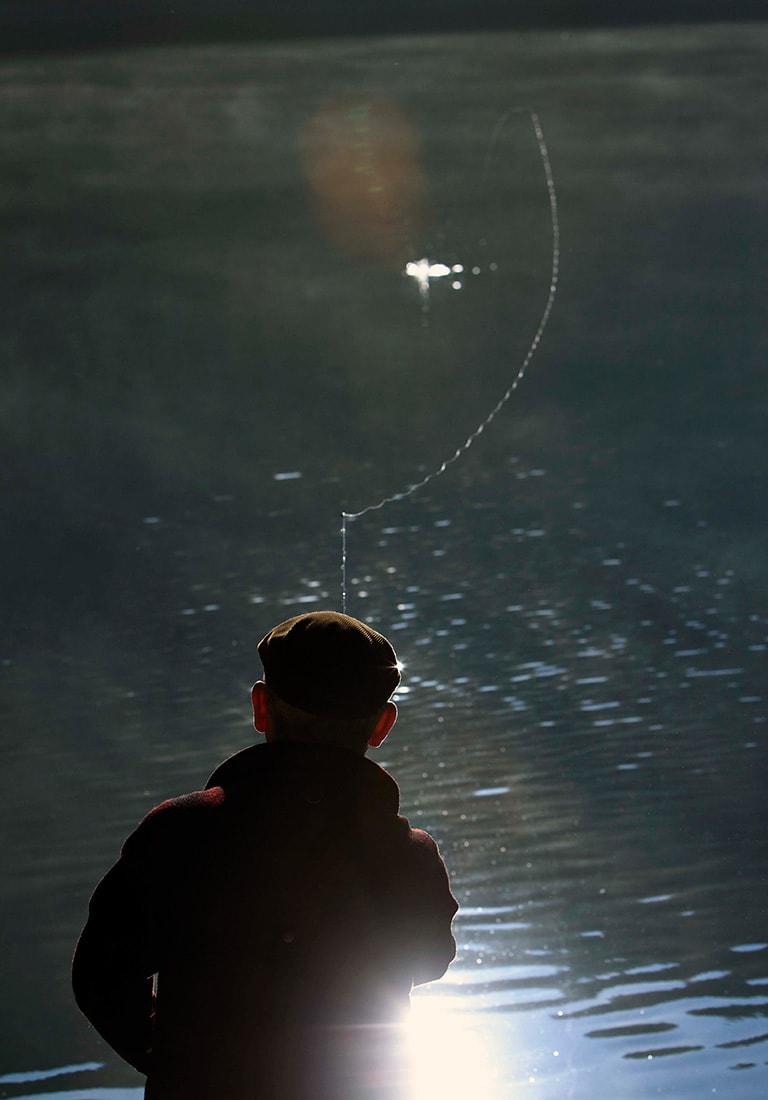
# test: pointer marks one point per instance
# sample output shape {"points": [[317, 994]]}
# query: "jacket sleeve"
{"points": [[116, 955], [431, 908]]}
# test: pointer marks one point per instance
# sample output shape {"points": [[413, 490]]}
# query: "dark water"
{"points": [[580, 602]]}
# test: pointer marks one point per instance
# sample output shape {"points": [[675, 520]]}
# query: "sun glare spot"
{"points": [[422, 271], [449, 1054]]}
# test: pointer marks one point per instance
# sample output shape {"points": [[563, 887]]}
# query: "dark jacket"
{"points": [[287, 910]]}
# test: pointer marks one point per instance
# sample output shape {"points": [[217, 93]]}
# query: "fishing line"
{"points": [[403, 494]]}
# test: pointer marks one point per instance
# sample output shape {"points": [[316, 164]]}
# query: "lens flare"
{"points": [[448, 1053], [361, 157]]}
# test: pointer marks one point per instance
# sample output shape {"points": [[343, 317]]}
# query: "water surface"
{"points": [[200, 377]]}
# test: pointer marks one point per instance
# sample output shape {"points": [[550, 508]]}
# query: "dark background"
{"points": [[58, 25]]}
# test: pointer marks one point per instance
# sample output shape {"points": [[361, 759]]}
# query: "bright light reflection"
{"points": [[449, 1053], [422, 271]]}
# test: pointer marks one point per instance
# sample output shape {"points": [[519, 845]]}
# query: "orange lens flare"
{"points": [[362, 161]]}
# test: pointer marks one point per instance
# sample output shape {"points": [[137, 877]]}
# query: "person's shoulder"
{"points": [[422, 839], [195, 802], [175, 817], [424, 885], [415, 845], [245, 765], [423, 844]]}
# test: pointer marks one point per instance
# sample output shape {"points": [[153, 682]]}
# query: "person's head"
{"points": [[328, 678]]}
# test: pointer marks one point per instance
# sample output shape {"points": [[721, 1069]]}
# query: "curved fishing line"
{"points": [[464, 447]]}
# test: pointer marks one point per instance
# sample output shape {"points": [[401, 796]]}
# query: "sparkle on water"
{"points": [[424, 270]]}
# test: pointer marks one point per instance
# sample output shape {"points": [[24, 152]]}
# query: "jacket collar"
{"points": [[328, 765]]}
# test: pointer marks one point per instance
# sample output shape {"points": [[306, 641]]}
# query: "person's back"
{"points": [[287, 910]]}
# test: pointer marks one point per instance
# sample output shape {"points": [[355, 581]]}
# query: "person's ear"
{"points": [[259, 701], [386, 721]]}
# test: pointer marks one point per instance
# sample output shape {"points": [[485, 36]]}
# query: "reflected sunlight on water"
{"points": [[450, 1052]]}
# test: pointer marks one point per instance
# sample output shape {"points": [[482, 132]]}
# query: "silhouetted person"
{"points": [[258, 940]]}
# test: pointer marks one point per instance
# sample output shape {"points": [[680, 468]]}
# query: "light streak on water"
{"points": [[47, 1074]]}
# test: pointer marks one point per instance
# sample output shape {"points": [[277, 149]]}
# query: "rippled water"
{"points": [[580, 604], [595, 778]]}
